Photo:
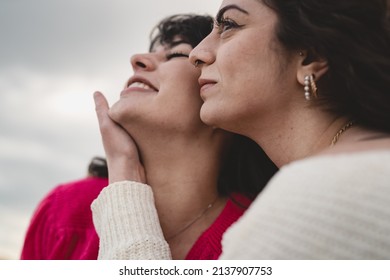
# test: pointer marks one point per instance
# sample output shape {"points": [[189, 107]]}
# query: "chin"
{"points": [[117, 112], [208, 116], [217, 118]]}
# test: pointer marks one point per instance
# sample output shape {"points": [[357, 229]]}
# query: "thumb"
{"points": [[101, 106]]}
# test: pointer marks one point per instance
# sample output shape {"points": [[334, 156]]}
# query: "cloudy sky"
{"points": [[53, 55]]}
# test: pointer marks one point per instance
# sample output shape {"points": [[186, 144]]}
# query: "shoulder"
{"points": [[78, 190], [339, 185], [336, 168], [71, 199], [322, 207], [82, 185]]}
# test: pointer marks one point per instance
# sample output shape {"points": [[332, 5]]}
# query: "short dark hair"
{"points": [[353, 36], [98, 167], [190, 27]]}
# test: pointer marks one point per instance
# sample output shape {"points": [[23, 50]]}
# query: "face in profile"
{"points": [[163, 92], [245, 76]]}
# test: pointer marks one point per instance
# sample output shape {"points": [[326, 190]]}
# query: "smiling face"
{"points": [[246, 74], [163, 93]]}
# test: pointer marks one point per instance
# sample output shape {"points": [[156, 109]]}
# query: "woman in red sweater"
{"points": [[61, 227]]}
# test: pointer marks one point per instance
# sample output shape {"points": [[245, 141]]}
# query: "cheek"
{"points": [[180, 91], [183, 83], [237, 64], [190, 74], [250, 73]]}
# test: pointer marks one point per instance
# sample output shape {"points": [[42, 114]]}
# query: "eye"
{"points": [[225, 24], [176, 54]]}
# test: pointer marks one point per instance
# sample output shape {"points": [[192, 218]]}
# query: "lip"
{"points": [[134, 88], [205, 84]]}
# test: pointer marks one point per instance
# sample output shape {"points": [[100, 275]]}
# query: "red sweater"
{"points": [[62, 227], [208, 246]]}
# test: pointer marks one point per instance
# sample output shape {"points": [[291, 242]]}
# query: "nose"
{"points": [[203, 53], [142, 62]]}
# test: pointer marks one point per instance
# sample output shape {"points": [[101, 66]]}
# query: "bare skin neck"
{"points": [[310, 133], [183, 174]]}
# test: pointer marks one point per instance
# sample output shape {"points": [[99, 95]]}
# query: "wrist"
{"points": [[126, 171]]}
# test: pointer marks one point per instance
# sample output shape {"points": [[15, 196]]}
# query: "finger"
{"points": [[101, 103], [101, 107]]}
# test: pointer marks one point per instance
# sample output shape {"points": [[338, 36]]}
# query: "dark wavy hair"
{"points": [[191, 28], [245, 167], [353, 36]]}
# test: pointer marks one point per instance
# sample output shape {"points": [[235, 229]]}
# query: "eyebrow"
{"points": [[229, 7]]}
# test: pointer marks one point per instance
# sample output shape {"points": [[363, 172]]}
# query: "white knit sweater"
{"points": [[334, 207], [330, 207], [126, 220]]}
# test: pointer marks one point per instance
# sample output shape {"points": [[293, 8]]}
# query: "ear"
{"points": [[309, 65]]}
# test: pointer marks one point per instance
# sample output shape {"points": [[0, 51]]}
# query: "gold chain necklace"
{"points": [[193, 221], [341, 131]]}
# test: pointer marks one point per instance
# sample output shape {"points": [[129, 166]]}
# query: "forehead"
{"points": [[250, 7], [238, 2], [253, 13]]}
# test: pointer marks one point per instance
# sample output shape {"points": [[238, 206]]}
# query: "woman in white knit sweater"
{"points": [[309, 81]]}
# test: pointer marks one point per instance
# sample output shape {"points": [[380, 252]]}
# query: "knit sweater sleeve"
{"points": [[126, 220]]}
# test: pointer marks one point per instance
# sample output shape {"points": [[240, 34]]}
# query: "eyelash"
{"points": [[176, 54], [225, 24]]}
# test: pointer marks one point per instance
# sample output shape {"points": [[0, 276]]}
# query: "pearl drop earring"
{"points": [[310, 87]]}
